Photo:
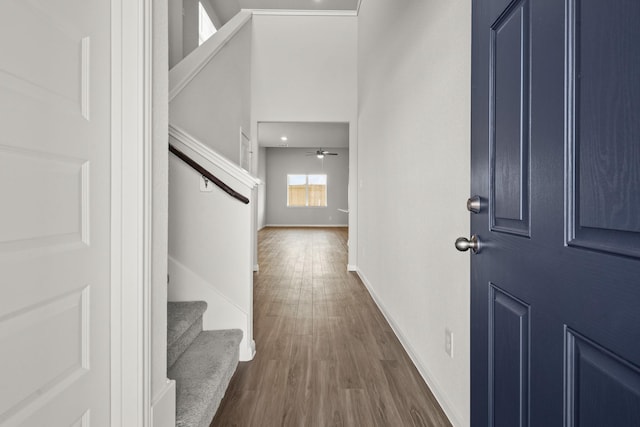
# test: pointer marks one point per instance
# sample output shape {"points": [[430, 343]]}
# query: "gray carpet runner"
{"points": [[201, 362]]}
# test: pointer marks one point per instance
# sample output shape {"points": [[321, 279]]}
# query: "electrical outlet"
{"points": [[205, 185], [448, 342]]}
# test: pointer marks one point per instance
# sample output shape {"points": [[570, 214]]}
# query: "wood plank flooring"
{"points": [[326, 356]]}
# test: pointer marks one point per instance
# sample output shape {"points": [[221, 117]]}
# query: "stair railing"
{"points": [[208, 175]]}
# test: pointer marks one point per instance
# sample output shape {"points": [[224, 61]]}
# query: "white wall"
{"points": [[283, 161], [210, 7], [216, 103], [190, 26], [414, 127], [175, 32], [304, 68], [183, 29], [210, 248]]}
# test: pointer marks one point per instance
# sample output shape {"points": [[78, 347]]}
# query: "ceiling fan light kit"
{"points": [[320, 153]]}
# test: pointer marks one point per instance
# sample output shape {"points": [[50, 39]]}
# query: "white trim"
{"points": [[251, 350], [199, 279], [256, 268], [183, 72], [353, 193], [434, 386], [292, 12], [351, 267], [358, 7], [85, 78], [163, 408], [229, 167], [240, 150], [187, 285], [308, 225], [131, 212], [241, 158]]}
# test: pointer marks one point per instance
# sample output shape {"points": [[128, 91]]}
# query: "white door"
{"points": [[54, 212]]}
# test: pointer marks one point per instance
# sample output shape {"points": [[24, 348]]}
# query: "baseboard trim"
{"points": [[256, 268], [436, 389], [249, 352], [163, 408], [307, 225], [351, 267]]}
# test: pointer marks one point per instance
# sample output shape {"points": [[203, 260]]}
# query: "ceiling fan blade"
{"points": [[330, 154]]}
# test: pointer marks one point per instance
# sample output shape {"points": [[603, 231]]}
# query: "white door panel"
{"points": [[54, 220]]}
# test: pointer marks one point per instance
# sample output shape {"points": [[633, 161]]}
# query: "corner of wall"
{"points": [[163, 407], [160, 190], [248, 351]]}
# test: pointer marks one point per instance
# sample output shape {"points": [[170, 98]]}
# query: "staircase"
{"points": [[201, 362]]}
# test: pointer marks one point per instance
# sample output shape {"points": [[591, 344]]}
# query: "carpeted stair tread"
{"points": [[202, 375], [179, 346], [180, 317]]}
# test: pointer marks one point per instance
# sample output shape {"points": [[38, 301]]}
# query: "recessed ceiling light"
{"points": [[283, 138]]}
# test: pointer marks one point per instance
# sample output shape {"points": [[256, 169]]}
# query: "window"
{"points": [[205, 27], [307, 190]]}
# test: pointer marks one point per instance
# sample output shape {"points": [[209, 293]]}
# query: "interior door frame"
{"points": [[241, 158], [131, 190]]}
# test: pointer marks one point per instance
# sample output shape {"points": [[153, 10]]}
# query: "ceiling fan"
{"points": [[320, 153]]}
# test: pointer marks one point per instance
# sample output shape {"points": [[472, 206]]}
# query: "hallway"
{"points": [[326, 356]]}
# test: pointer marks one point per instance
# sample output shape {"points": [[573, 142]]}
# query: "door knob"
{"points": [[474, 204], [463, 244]]}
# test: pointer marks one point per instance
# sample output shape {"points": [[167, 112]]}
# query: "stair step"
{"points": [[180, 316], [184, 323], [202, 375]]}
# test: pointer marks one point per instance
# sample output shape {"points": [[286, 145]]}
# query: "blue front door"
{"points": [[555, 296]]}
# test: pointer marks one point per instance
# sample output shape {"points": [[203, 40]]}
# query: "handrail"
{"points": [[222, 165], [211, 177]]}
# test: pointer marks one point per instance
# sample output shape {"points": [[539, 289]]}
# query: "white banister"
{"points": [[183, 72], [183, 140]]}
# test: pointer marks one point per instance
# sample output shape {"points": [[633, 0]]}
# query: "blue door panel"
{"points": [[555, 152], [603, 132], [509, 359], [598, 384], [509, 120]]}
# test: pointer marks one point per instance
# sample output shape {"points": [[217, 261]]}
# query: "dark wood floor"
{"points": [[325, 354]]}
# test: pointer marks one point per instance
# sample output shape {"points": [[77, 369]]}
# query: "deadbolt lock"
{"points": [[474, 204]]}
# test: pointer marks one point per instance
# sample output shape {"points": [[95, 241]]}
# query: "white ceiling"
{"points": [[303, 134], [226, 9]]}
